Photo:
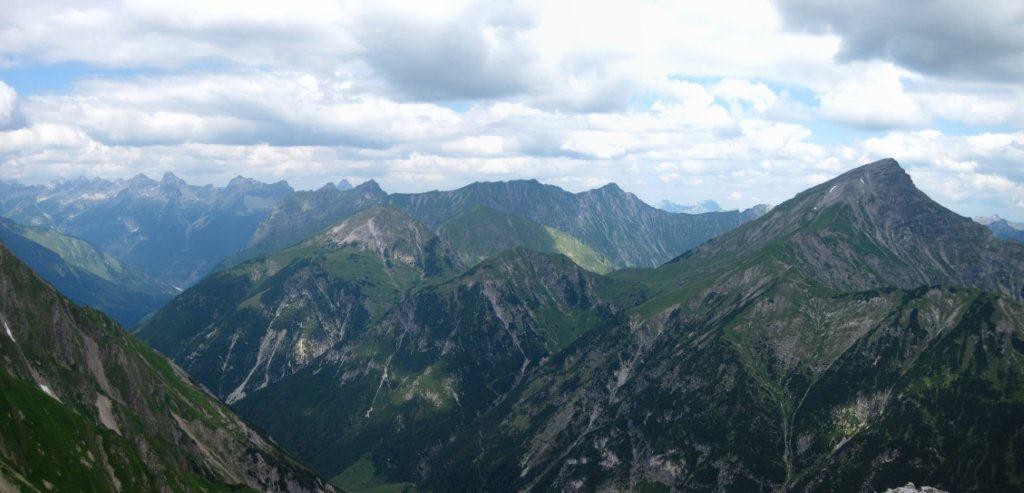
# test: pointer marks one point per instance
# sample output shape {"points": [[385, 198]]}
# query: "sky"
{"points": [[743, 102]]}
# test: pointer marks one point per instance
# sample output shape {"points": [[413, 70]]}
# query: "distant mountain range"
{"points": [[87, 407], [85, 274], [698, 208], [171, 231], [856, 337], [1002, 228]]}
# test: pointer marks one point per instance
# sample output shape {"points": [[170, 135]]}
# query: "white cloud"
{"points": [[876, 100], [678, 100], [983, 106], [739, 94], [482, 145], [277, 108], [8, 97]]}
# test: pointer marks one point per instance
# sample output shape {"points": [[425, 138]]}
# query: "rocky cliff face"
{"points": [[88, 407]]}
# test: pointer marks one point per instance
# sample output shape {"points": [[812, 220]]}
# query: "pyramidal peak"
{"points": [[884, 176]]}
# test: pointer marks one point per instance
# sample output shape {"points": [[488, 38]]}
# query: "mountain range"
{"points": [[857, 337], [514, 336], [1002, 228], [171, 231], [87, 407], [614, 223], [698, 208]]}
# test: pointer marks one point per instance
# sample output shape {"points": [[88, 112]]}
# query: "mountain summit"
{"points": [[871, 227], [789, 354]]}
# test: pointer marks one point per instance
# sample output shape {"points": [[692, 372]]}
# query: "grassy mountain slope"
{"points": [[857, 337], [87, 407], [481, 233]]}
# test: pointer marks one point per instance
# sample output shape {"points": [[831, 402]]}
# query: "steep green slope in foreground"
{"points": [[482, 232], [84, 274], [84, 406], [778, 357]]}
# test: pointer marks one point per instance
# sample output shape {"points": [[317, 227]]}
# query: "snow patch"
{"points": [[9, 334], [833, 189]]}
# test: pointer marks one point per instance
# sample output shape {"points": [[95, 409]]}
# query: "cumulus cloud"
{"points": [[943, 37], [740, 101], [480, 52], [256, 107], [8, 97], [874, 100]]}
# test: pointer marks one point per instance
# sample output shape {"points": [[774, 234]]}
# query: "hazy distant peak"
{"points": [[698, 208], [241, 181], [140, 181], [343, 185], [171, 178]]}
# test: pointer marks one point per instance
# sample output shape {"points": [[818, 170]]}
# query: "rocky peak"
{"points": [[393, 235], [882, 180], [870, 228]]}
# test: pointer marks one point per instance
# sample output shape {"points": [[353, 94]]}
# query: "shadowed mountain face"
{"points": [[171, 231], [87, 407], [84, 274], [614, 223]]}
